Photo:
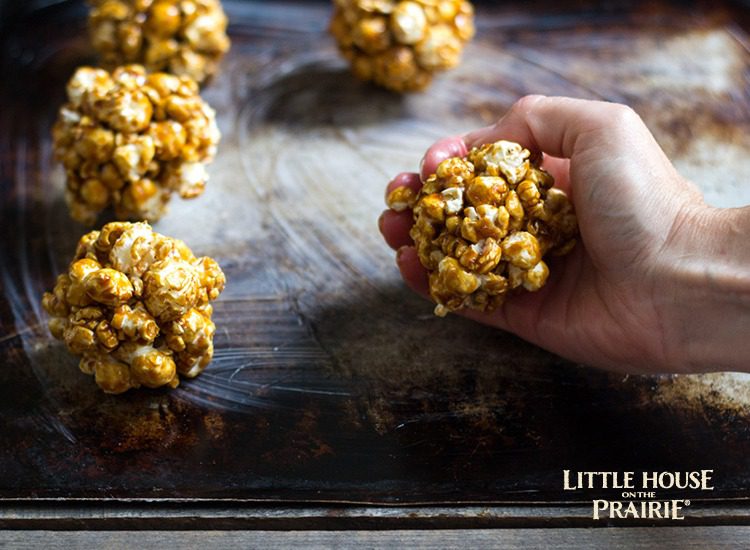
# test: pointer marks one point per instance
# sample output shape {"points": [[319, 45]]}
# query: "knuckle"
{"points": [[623, 117], [623, 111], [526, 104]]}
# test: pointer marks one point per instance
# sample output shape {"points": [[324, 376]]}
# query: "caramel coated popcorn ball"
{"points": [[182, 37], [483, 224], [400, 45], [129, 139], [135, 305]]}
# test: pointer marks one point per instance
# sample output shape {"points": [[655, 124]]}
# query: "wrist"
{"points": [[706, 303]]}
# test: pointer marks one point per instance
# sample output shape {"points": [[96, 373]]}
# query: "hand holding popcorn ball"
{"points": [[129, 139], [400, 45], [182, 37], [644, 290], [482, 225], [136, 306]]}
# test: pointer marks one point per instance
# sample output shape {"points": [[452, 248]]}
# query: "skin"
{"points": [[659, 281]]}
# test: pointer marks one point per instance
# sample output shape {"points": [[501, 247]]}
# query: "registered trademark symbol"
{"points": [[687, 503]]}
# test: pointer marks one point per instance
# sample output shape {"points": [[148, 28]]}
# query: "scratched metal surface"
{"points": [[331, 382]]}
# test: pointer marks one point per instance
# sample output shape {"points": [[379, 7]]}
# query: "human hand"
{"points": [[617, 300]]}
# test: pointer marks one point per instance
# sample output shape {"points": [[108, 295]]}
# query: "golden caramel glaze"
{"points": [[130, 139], [400, 45], [181, 37], [135, 305], [483, 224]]}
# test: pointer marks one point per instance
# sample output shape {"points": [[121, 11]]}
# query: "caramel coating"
{"points": [[182, 37], [130, 139], [134, 305], [400, 45], [483, 224]]}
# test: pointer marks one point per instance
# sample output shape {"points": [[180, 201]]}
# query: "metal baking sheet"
{"points": [[331, 381]]}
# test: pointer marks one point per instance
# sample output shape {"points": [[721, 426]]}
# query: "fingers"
{"points": [[548, 124], [395, 226], [441, 150], [412, 271], [560, 170], [520, 124], [554, 125], [404, 179]]}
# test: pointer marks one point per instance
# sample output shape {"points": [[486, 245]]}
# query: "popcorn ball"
{"points": [[182, 37], [130, 139], [135, 305], [400, 45], [482, 225]]}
